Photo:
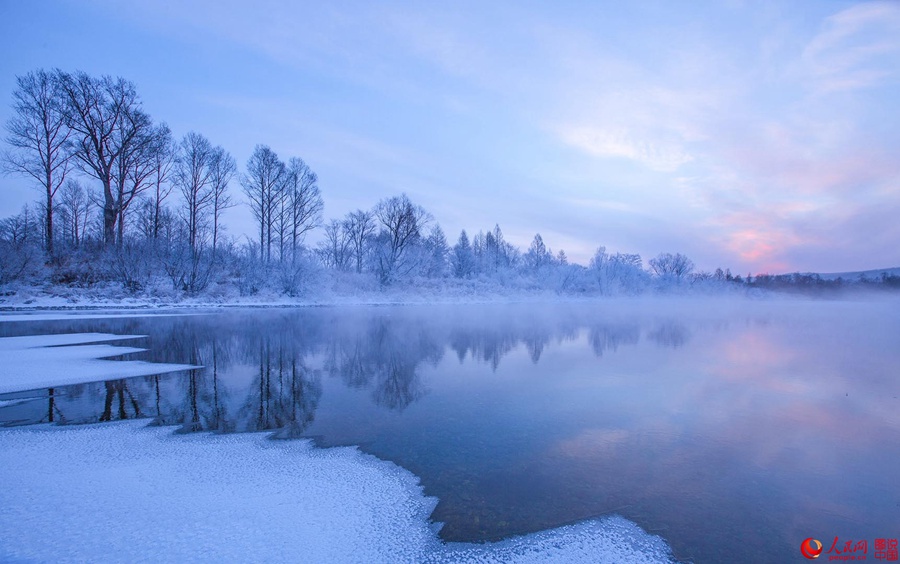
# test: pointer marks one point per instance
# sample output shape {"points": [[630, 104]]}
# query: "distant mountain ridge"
{"points": [[870, 274]]}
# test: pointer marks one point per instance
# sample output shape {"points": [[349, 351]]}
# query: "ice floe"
{"points": [[43, 361]]}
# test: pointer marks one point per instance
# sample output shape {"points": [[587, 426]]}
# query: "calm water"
{"points": [[734, 431]]}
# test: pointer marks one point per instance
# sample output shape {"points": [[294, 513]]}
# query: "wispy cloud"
{"points": [[621, 143], [856, 48]]}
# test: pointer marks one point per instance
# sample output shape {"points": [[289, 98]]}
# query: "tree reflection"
{"points": [[284, 393], [670, 334], [118, 390], [262, 370], [609, 337], [484, 344], [385, 355], [298, 401]]}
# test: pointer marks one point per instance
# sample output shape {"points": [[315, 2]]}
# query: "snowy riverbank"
{"points": [[22, 297]]}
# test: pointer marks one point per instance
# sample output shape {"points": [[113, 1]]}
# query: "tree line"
{"points": [[122, 200]]}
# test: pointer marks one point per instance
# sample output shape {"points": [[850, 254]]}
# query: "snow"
{"points": [[124, 492], [34, 307], [345, 289], [44, 361], [46, 309], [59, 315]]}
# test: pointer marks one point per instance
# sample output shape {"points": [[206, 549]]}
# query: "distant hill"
{"points": [[870, 274]]}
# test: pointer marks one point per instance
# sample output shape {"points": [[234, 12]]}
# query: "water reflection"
{"points": [[610, 337], [381, 352], [716, 430]]}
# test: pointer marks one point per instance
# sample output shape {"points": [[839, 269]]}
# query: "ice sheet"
{"points": [[40, 361], [75, 314]]}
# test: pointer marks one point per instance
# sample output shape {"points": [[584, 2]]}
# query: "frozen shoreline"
{"points": [[36, 298], [137, 304], [126, 492], [130, 306]]}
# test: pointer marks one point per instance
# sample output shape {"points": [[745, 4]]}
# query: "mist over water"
{"points": [[733, 429]]}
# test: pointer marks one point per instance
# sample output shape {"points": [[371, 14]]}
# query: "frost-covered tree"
{"points": [[19, 253], [492, 253], [537, 255], [669, 266], [561, 259], [360, 228], [599, 268], [617, 273], [336, 250], [38, 135], [462, 258], [437, 253], [401, 224], [505, 254]]}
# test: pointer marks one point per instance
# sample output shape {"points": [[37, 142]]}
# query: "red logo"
{"points": [[811, 548]]}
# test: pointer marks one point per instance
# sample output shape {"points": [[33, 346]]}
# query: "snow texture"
{"points": [[42, 361], [119, 492]]}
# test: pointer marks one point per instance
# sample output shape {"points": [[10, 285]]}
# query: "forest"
{"points": [[126, 208]]}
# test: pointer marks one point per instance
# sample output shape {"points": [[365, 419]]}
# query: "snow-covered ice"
{"points": [[43, 361], [122, 492], [80, 315]]}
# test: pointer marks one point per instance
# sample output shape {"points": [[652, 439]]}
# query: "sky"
{"points": [[760, 136]]}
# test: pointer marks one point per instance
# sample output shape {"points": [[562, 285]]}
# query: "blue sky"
{"points": [[757, 135]]}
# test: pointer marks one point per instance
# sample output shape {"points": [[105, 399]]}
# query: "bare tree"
{"points": [[335, 249], [136, 168], [281, 219], [222, 170], [402, 223], [39, 136], [263, 184], [667, 265], [105, 118], [18, 236], [75, 206], [360, 227], [304, 201], [21, 228], [156, 223], [161, 165], [193, 177]]}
